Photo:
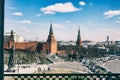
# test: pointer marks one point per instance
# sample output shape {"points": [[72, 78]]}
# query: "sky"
{"points": [[32, 18]]}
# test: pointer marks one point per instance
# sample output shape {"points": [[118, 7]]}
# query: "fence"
{"points": [[62, 76]]}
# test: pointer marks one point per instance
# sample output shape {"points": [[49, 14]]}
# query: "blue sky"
{"points": [[32, 18]]}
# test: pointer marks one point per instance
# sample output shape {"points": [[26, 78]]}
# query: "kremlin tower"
{"points": [[79, 41], [51, 41]]}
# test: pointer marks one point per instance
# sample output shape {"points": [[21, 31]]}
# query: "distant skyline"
{"points": [[32, 18]]}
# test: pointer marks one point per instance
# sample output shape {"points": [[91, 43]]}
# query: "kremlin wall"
{"points": [[50, 45]]}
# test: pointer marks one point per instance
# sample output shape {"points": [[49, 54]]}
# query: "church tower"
{"points": [[11, 40], [51, 41], [79, 41]]}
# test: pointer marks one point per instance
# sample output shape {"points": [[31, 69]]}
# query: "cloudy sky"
{"points": [[32, 18]]}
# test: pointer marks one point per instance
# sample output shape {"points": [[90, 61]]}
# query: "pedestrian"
{"points": [[39, 69], [48, 69]]}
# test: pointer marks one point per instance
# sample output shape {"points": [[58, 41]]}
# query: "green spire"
{"points": [[78, 42], [79, 32], [51, 30]]}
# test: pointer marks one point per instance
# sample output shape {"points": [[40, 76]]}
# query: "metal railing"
{"points": [[62, 76]]}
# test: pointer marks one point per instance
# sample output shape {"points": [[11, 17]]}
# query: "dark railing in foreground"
{"points": [[63, 76]]}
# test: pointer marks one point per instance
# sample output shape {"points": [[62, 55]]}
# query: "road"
{"points": [[70, 65], [113, 65]]}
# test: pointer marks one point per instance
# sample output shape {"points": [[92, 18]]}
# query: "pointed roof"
{"points": [[79, 41], [79, 32], [11, 34], [51, 30]]}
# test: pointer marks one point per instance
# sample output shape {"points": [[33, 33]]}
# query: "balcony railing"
{"points": [[62, 76]]}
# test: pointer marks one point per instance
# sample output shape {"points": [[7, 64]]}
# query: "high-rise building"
{"points": [[79, 41]]}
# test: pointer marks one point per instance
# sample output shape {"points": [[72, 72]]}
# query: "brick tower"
{"points": [[79, 41], [51, 41]]}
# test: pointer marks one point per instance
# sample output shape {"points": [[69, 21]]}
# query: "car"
{"points": [[109, 72]]}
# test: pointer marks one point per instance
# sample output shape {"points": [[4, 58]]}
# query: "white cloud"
{"points": [[49, 12], [39, 15], [18, 14], [59, 7], [11, 7], [82, 3], [26, 21], [117, 21], [67, 21], [112, 13], [57, 25], [25, 29]]}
